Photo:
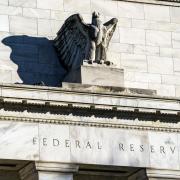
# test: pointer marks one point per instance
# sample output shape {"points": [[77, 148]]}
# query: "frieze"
{"points": [[97, 145], [89, 145], [122, 124]]}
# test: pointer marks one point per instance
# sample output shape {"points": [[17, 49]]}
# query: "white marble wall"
{"points": [[89, 145], [146, 43]]}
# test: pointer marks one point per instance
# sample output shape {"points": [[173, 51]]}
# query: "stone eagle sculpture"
{"points": [[77, 42]]}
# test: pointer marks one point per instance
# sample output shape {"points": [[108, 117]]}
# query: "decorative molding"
{"points": [[178, 1], [131, 112], [122, 124], [156, 2], [94, 90], [126, 102]]}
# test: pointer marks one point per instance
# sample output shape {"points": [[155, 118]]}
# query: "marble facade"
{"points": [[86, 136], [111, 128], [89, 145]]}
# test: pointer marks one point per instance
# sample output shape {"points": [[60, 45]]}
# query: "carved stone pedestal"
{"points": [[155, 174], [95, 74], [48, 171]]}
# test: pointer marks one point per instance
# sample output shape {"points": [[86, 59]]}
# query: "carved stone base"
{"points": [[96, 74]]}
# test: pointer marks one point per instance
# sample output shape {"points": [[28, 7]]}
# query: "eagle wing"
{"points": [[110, 28], [73, 42]]}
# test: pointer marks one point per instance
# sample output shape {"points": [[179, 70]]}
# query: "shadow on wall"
{"points": [[36, 59]]}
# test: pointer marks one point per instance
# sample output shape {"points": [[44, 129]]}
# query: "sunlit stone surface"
{"points": [[51, 130]]}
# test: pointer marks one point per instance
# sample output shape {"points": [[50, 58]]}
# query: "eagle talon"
{"points": [[90, 62], [97, 62], [108, 63]]}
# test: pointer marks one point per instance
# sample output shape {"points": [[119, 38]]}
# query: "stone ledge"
{"points": [[112, 91], [109, 89], [87, 98], [156, 2], [59, 167]]}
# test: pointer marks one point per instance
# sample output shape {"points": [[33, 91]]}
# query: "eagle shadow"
{"points": [[36, 59]]}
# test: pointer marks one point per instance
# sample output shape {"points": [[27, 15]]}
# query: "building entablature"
{"points": [[90, 106]]}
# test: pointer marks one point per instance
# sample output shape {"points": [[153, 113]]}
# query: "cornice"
{"points": [[23, 107], [23, 95], [125, 92], [175, 3]]}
